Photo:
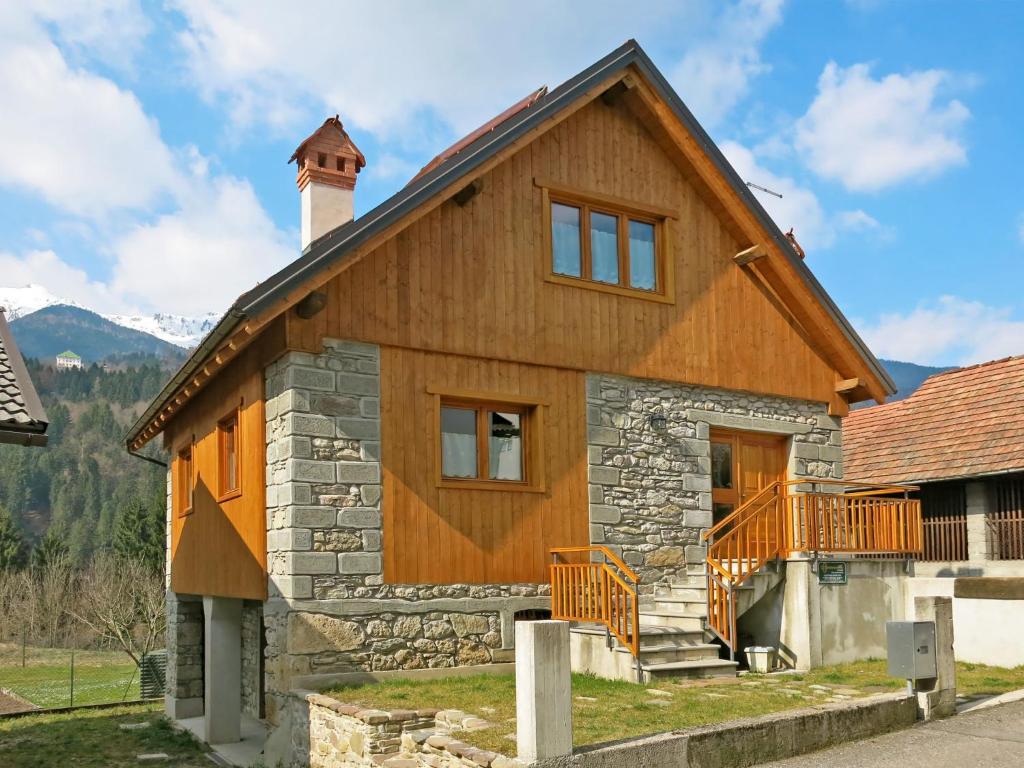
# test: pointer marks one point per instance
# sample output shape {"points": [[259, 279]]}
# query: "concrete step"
{"points": [[697, 594], [700, 668], [653, 635], [665, 618]]}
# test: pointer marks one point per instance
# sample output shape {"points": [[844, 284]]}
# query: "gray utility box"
{"points": [[911, 649]]}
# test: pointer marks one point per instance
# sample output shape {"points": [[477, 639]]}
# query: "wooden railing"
{"points": [[945, 538], [600, 591], [797, 516]]}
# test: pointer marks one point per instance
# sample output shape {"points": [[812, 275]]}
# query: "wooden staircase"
{"points": [[664, 636]]}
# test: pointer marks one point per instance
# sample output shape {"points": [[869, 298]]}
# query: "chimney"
{"points": [[327, 163]]}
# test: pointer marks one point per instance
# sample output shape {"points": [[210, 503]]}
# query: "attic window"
{"points": [[321, 160], [595, 241], [340, 163]]}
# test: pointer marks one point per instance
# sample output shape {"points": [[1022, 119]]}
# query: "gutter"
{"points": [[147, 458]]}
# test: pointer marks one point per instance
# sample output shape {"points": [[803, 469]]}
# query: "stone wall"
{"points": [[650, 489], [184, 686], [329, 610], [252, 619], [325, 733]]}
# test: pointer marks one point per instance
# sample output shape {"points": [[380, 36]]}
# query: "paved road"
{"points": [[988, 738]]}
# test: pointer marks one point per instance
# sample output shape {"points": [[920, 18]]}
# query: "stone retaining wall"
{"points": [[650, 488], [326, 733]]}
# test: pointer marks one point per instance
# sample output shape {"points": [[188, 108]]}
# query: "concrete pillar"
{"points": [[543, 690], [937, 697], [222, 714], [800, 624], [979, 503]]}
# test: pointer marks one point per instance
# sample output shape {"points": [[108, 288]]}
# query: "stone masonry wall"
{"points": [[650, 489], [185, 649], [329, 610], [327, 733], [252, 615]]}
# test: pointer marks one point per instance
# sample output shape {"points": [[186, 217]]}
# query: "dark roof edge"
{"points": [[340, 241], [33, 404]]}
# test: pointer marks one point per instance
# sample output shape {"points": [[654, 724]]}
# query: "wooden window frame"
{"points": [[223, 493], [624, 211], [185, 469], [532, 413]]}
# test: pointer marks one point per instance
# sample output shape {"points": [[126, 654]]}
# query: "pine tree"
{"points": [[50, 548], [12, 543]]}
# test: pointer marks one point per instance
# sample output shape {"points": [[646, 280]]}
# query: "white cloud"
{"points": [[385, 65], [76, 139], [715, 74], [201, 257], [871, 133], [948, 331]]}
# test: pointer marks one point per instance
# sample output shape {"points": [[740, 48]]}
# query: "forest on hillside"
{"points": [[84, 495]]}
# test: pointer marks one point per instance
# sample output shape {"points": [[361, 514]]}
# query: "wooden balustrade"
{"points": [[785, 518], [604, 592]]}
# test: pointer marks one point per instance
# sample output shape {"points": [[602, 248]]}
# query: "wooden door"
{"points": [[742, 465]]}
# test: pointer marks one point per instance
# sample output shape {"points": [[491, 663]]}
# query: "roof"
{"points": [[462, 161], [330, 124], [22, 419], [68, 353], [961, 423]]}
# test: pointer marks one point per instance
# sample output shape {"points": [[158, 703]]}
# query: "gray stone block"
{"points": [[358, 429], [829, 422], [356, 348], [358, 384], [369, 407], [597, 534], [371, 540], [292, 586], [603, 435], [697, 482], [696, 553], [331, 404], [293, 493], [830, 453], [603, 513], [298, 377], [370, 495], [359, 562], [604, 475], [697, 518], [313, 563], [359, 517], [369, 450], [593, 415], [293, 447], [595, 494], [805, 451], [311, 517], [291, 400], [358, 471], [289, 539], [309, 424], [310, 471], [595, 455]]}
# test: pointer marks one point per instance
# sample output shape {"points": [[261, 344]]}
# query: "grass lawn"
{"points": [[92, 739], [604, 710], [45, 679]]}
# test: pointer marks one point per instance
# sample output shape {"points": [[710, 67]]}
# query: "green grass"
{"points": [[101, 677], [605, 710], [92, 739]]}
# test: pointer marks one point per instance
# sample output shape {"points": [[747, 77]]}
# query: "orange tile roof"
{"points": [[960, 423]]}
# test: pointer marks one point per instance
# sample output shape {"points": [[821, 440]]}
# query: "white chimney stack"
{"points": [[327, 162]]}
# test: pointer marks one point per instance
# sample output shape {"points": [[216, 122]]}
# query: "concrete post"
{"points": [[222, 714], [979, 547], [937, 698], [543, 690]]}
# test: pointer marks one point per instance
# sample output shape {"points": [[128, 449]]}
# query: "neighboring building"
{"points": [[960, 437], [22, 419], [68, 360], [574, 328]]}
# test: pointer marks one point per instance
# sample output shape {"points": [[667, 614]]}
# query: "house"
{"points": [[960, 437], [68, 360], [22, 418], [537, 380]]}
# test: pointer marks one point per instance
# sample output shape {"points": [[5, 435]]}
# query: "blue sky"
{"points": [[143, 145]]}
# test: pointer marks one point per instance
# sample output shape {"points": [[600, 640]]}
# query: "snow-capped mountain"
{"points": [[179, 330]]}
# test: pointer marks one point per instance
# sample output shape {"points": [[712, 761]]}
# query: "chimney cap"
{"points": [[332, 125]]}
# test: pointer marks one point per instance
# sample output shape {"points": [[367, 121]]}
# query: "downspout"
{"points": [[146, 458]]}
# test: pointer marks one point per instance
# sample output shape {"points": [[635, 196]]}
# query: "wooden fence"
{"points": [[1006, 523]]}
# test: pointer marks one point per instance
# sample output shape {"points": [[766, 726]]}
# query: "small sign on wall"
{"points": [[832, 572]]}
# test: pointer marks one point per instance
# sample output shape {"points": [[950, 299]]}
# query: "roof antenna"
{"points": [[763, 189]]}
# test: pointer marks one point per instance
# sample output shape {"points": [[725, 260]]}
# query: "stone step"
{"points": [[665, 618], [698, 668], [673, 603], [653, 635], [663, 654], [698, 594]]}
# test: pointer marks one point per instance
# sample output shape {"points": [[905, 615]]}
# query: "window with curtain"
{"points": [[598, 244], [483, 442]]}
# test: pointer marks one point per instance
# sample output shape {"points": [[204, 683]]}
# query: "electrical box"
{"points": [[911, 649]]}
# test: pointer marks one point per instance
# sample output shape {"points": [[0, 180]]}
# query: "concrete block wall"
{"points": [[329, 610], [650, 490]]}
